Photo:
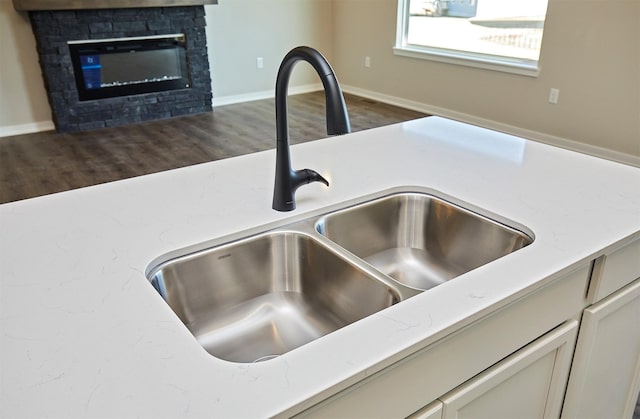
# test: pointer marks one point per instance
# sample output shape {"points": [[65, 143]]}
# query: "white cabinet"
{"points": [[432, 411], [527, 384], [421, 378], [548, 355], [605, 376], [614, 270]]}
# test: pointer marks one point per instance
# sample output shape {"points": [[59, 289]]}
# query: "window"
{"points": [[503, 35]]}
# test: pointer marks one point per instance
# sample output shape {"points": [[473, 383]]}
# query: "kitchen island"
{"points": [[84, 334]]}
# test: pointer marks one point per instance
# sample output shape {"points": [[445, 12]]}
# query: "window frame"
{"points": [[465, 58]]}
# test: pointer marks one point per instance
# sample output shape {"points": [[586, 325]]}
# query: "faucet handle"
{"points": [[286, 186], [313, 176]]}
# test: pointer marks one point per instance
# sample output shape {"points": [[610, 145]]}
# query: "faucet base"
{"points": [[285, 187]]}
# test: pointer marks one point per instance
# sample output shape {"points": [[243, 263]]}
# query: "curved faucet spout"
{"points": [[288, 180]]}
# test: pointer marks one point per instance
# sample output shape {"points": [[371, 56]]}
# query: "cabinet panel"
{"points": [[614, 271], [527, 384], [432, 411], [409, 384], [605, 376]]}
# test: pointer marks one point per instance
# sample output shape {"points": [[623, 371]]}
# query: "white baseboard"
{"points": [[498, 126], [265, 94], [617, 156], [10, 130]]}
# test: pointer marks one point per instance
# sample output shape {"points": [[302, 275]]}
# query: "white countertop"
{"points": [[83, 334]]}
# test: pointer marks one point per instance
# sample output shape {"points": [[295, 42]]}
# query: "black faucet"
{"points": [[287, 179]]}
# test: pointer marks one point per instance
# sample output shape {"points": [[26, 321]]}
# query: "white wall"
{"points": [[23, 101], [239, 31], [590, 51]]}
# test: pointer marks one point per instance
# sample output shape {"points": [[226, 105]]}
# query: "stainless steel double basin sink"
{"points": [[258, 297]]}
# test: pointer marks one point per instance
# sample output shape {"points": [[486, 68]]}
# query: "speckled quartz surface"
{"points": [[83, 334]]}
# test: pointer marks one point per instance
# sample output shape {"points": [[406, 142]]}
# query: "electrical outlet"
{"points": [[367, 61], [554, 94], [259, 63]]}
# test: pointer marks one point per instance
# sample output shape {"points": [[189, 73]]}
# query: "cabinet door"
{"points": [[605, 376], [528, 384]]}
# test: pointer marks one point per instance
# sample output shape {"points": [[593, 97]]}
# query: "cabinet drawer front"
{"points": [[614, 271]]}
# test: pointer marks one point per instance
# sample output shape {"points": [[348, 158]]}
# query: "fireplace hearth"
{"points": [[110, 67]]}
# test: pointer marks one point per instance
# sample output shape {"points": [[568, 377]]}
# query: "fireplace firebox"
{"points": [[109, 67], [129, 66]]}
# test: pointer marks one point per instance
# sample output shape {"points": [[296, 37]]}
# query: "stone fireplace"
{"points": [[107, 66]]}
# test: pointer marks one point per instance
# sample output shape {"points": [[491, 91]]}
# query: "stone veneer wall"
{"points": [[53, 29]]}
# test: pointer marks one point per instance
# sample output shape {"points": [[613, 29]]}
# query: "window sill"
{"points": [[469, 60]]}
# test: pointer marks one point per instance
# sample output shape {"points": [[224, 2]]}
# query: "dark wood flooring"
{"points": [[42, 163]]}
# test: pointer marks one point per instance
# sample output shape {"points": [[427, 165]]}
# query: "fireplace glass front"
{"points": [[129, 66]]}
